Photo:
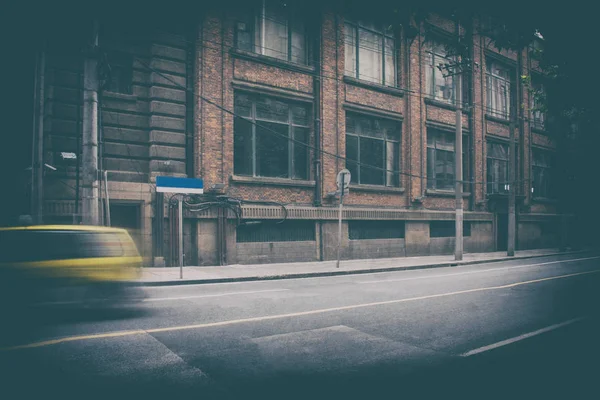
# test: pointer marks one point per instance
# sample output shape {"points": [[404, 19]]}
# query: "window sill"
{"points": [[538, 130], [546, 200], [497, 119], [440, 104], [377, 189], [120, 96], [271, 181], [272, 61], [374, 86], [444, 193]]}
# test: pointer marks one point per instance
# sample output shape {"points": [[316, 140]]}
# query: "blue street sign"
{"points": [[172, 184]]}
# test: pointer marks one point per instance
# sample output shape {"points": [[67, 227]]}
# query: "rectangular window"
{"points": [[274, 28], [447, 229], [374, 143], [273, 140], [440, 159], [537, 99], [497, 168], [121, 73], [360, 230], [542, 166], [440, 84], [271, 231], [370, 53], [498, 90]]}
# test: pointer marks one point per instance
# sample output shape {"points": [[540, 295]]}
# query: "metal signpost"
{"points": [[343, 183], [181, 186]]}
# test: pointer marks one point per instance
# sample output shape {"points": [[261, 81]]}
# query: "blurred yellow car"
{"points": [[83, 263]]}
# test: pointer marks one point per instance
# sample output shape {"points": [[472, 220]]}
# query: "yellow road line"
{"points": [[281, 316]]}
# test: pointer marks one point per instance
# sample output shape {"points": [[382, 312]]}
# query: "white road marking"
{"points": [[202, 296], [520, 337], [474, 272], [282, 316]]}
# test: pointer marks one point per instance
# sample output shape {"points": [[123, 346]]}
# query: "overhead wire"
{"points": [[308, 146], [414, 93]]}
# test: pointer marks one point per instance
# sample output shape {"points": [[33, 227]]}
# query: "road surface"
{"points": [[523, 329]]}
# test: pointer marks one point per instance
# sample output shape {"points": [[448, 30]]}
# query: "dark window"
{"points": [[370, 52], [498, 90], [276, 144], [440, 159], [447, 228], [358, 230], [537, 99], [269, 231], [120, 73], [497, 168], [542, 166], [375, 144], [22, 246], [274, 28]]}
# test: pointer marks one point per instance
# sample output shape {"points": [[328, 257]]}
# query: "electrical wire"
{"points": [[308, 146], [414, 93]]}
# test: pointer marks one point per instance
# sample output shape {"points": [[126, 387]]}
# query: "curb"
{"points": [[341, 273]]}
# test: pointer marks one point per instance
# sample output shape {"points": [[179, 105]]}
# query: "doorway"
{"points": [[128, 216]]}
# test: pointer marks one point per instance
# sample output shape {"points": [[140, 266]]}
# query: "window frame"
{"points": [[491, 79], [254, 121], [387, 229], [256, 24], [357, 26], [432, 183], [397, 144], [124, 63], [548, 189], [445, 229], [538, 118], [488, 158]]}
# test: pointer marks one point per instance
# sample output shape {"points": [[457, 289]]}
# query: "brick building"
{"points": [[256, 100]]}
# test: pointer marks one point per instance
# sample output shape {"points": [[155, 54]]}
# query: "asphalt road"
{"points": [[518, 329]]}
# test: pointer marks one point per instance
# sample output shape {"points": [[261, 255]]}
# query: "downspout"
{"points": [[190, 129], [317, 111], [471, 88], [337, 97], [37, 168], [408, 103], [421, 112]]}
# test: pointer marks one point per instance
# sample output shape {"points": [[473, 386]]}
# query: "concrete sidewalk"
{"points": [[237, 273]]}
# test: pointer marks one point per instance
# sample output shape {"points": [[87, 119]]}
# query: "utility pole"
{"points": [[512, 168], [89, 184], [458, 247], [37, 168]]}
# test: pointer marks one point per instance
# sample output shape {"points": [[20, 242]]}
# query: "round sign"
{"points": [[343, 179]]}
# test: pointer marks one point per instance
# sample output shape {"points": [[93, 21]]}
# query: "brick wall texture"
{"points": [[146, 133]]}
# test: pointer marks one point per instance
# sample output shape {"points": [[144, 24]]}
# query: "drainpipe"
{"points": [[37, 171], [471, 91], [317, 110]]}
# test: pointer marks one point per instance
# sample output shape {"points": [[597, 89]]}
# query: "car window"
{"points": [[21, 246]]}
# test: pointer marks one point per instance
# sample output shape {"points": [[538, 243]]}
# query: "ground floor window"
{"points": [[358, 230], [447, 228], [271, 231]]}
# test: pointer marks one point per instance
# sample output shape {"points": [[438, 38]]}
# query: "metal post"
{"points": [[180, 235], [337, 265], [512, 168], [90, 134], [458, 247], [107, 200]]}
